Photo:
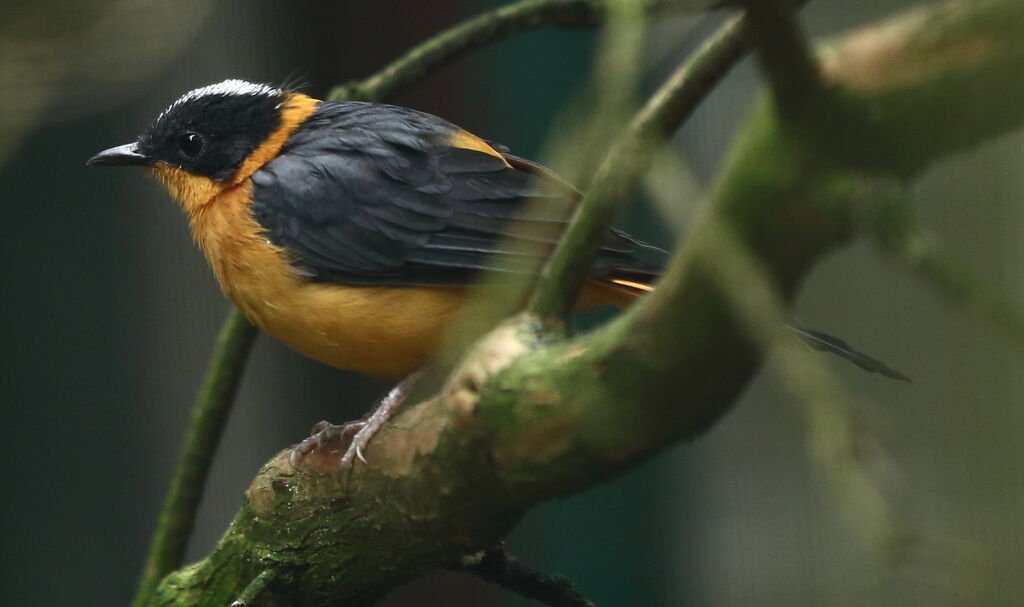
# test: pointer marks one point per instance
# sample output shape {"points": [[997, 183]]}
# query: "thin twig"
{"points": [[499, 567], [839, 450], [255, 588], [926, 255], [663, 113], [483, 29], [202, 435], [897, 232]]}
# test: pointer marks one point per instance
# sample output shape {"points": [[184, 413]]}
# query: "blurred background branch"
{"points": [[199, 447], [59, 70], [488, 28], [624, 166]]}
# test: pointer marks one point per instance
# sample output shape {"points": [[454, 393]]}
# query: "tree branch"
{"points": [[521, 420], [564, 275], [203, 432], [499, 567], [925, 254], [786, 57], [486, 28], [256, 588]]}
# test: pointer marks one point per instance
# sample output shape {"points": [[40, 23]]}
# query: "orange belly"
{"points": [[384, 332]]}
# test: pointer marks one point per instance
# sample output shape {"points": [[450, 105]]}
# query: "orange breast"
{"points": [[384, 332]]}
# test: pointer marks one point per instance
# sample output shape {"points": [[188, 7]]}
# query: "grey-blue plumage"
{"points": [[366, 193]]}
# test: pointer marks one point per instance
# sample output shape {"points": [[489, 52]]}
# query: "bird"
{"points": [[354, 231]]}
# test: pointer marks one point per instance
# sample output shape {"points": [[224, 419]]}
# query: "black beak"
{"points": [[122, 155]]}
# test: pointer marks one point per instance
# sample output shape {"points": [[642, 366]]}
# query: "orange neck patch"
{"points": [[294, 111], [194, 192]]}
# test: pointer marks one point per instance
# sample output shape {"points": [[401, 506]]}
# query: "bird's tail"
{"points": [[830, 343], [620, 292]]}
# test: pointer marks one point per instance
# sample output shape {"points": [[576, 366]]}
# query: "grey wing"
{"points": [[375, 194]]}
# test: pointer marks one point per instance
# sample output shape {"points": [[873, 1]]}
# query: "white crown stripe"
{"points": [[227, 87]]}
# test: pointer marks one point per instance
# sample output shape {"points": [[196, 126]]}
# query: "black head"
{"points": [[208, 131]]}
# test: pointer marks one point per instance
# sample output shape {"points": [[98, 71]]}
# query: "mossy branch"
{"points": [[522, 420]]}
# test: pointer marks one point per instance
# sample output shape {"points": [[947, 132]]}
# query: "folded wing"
{"points": [[375, 194]]}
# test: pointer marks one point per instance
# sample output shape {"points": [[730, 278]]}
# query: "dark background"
{"points": [[887, 494]]}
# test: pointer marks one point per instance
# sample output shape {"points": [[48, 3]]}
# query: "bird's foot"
{"points": [[326, 440], [350, 439]]}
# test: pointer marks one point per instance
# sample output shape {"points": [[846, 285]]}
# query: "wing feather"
{"points": [[375, 194]]}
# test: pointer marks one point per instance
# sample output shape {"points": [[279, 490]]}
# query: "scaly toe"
{"points": [[326, 439]]}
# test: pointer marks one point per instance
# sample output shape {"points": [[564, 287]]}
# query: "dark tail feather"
{"points": [[829, 343]]}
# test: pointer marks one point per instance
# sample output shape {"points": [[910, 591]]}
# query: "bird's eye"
{"points": [[191, 144]]}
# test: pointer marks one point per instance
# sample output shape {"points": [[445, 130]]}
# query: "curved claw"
{"points": [[322, 436], [359, 434]]}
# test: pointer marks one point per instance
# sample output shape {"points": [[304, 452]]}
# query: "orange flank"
{"points": [[469, 141], [632, 285]]}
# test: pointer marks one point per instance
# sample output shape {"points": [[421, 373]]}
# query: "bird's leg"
{"points": [[357, 433], [386, 408], [322, 439]]}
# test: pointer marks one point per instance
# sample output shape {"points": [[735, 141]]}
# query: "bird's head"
{"points": [[212, 138]]}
